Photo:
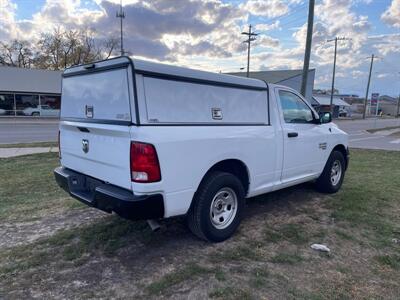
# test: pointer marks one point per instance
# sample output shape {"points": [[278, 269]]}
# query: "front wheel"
{"points": [[217, 207], [332, 176]]}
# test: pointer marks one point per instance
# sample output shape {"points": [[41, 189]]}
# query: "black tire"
{"points": [[35, 114], [199, 217], [325, 183]]}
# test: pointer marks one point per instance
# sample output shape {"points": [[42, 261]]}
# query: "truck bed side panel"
{"points": [[186, 153]]}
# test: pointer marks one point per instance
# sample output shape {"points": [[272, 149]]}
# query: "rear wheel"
{"points": [[217, 207], [332, 176]]}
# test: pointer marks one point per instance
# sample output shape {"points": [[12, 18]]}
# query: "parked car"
{"points": [[41, 110], [342, 112], [151, 141]]}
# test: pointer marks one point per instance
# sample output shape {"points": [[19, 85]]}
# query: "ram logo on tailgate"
{"points": [[85, 145]]}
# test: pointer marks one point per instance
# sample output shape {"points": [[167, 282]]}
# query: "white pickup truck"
{"points": [[150, 141]]}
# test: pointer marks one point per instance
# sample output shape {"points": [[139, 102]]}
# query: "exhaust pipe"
{"points": [[154, 225]]}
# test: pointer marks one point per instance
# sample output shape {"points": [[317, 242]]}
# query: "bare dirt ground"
{"points": [[22, 233], [82, 253]]}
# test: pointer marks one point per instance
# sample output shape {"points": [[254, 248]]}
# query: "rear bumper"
{"points": [[109, 198]]}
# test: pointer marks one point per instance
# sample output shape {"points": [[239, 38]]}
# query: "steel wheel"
{"points": [[336, 172], [223, 208]]}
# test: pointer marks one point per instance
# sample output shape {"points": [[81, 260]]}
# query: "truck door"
{"points": [[304, 143]]}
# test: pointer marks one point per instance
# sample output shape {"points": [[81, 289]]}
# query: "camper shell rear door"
{"points": [[97, 111]]}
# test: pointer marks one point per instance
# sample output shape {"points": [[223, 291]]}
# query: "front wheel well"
{"points": [[342, 149], [235, 167]]}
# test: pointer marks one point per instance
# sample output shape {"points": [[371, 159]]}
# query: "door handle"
{"points": [[292, 134]]}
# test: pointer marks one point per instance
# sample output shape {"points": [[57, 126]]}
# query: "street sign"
{"points": [[374, 99], [374, 103]]}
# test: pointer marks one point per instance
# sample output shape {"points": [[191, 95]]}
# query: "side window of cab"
{"points": [[294, 109]]}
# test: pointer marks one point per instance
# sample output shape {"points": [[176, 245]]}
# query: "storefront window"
{"points": [[27, 105], [53, 101], [6, 104], [30, 105], [50, 105]]}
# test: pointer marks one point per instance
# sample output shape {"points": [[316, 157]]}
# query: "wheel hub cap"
{"points": [[223, 208], [336, 172]]}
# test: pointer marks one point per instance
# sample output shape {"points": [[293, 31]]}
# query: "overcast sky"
{"points": [[205, 34]]}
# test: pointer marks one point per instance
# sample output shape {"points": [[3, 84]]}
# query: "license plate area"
{"points": [[83, 187]]}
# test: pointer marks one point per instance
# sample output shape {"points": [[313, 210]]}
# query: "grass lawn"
{"points": [[28, 190], [270, 256]]}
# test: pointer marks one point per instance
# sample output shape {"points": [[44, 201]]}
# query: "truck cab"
{"points": [[150, 141]]}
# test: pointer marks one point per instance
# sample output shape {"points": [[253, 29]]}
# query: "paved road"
{"points": [[360, 138], [21, 130], [27, 130]]}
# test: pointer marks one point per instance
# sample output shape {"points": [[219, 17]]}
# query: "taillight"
{"points": [[144, 163], [59, 148]]}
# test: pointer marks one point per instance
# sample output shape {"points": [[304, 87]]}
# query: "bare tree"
{"points": [[17, 54], [58, 50], [62, 49], [108, 47]]}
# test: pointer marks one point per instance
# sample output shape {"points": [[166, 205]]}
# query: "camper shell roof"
{"points": [[153, 69]]}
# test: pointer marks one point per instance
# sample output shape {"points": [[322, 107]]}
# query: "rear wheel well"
{"points": [[342, 149], [234, 167]]}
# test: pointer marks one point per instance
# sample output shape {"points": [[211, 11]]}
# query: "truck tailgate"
{"points": [[98, 150]]}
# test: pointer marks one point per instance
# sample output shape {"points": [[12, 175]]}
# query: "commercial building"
{"points": [[29, 92], [290, 78], [340, 107], [388, 105]]}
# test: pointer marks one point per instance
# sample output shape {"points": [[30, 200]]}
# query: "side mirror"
{"points": [[325, 117]]}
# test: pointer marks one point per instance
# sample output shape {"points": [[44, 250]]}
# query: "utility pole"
{"points": [[251, 37], [336, 39], [307, 53], [398, 106], [121, 15], [369, 81]]}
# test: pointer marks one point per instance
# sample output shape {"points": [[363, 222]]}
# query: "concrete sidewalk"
{"points": [[12, 152], [28, 120]]}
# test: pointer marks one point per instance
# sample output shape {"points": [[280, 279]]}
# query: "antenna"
{"points": [[121, 15]]}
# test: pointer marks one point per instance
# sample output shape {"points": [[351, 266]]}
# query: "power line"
{"points": [[293, 21], [287, 17], [251, 37]]}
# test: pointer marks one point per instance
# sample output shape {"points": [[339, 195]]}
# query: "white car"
{"points": [[41, 110], [151, 141], [343, 112]]}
